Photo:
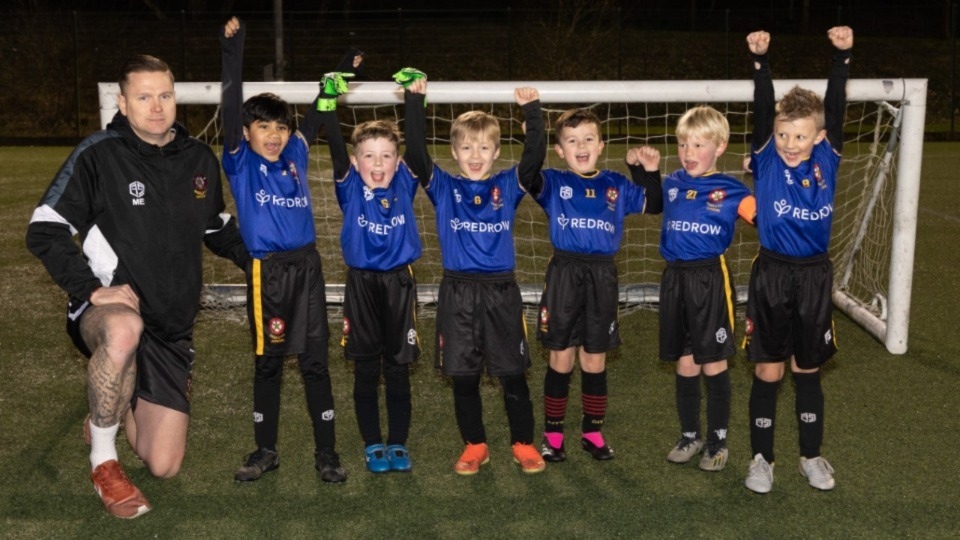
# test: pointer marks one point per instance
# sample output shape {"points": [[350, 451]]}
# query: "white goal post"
{"points": [[873, 234]]}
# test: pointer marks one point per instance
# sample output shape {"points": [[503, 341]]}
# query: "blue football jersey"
{"points": [[475, 220], [379, 226], [586, 213], [273, 198], [795, 204], [699, 215]]}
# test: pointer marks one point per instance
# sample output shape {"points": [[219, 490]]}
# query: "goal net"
{"points": [[874, 214]]}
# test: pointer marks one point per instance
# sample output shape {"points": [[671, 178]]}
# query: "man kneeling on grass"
{"points": [[142, 195]]}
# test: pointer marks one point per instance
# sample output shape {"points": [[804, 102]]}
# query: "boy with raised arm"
{"points": [[700, 209], [796, 152], [586, 208], [375, 191], [286, 302], [480, 309]]}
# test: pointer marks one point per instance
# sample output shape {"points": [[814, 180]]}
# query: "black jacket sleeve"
{"points": [[312, 120], [53, 244], [650, 182], [764, 104], [835, 100], [231, 87], [415, 134], [310, 125], [222, 235], [51, 231], [534, 149], [223, 238]]}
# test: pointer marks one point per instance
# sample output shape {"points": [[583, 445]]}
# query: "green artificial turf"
{"points": [[891, 429]]}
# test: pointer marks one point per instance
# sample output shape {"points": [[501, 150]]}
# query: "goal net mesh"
{"points": [[862, 221]]}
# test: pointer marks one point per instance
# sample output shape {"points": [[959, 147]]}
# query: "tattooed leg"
{"points": [[113, 334]]}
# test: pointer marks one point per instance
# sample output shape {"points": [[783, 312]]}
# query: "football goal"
{"points": [[875, 210]]}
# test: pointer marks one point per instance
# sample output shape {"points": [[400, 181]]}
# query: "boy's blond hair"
{"points": [[801, 103], [573, 118], [375, 129], [475, 124], [705, 122]]}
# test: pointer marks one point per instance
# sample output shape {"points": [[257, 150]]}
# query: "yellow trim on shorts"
{"points": [[255, 281], [728, 292]]}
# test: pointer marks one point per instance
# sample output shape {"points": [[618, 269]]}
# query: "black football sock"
{"points": [[319, 394], [718, 409], [268, 374], [399, 406], [594, 397], [556, 388], [366, 402], [809, 405], [468, 406], [763, 412], [516, 401], [688, 405]]}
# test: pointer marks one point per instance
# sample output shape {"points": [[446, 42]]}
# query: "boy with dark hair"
{"points": [[700, 208], [286, 302], [796, 152], [375, 191], [586, 208], [479, 308]]}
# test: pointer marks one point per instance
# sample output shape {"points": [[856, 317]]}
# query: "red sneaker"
{"points": [[119, 495], [529, 459], [474, 455]]}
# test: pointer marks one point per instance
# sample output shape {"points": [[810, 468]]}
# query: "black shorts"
{"points": [[579, 305], [379, 315], [481, 316], [286, 302], [164, 368], [696, 311], [790, 310]]}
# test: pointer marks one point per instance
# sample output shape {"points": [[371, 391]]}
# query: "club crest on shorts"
{"points": [[200, 186], [749, 325], [544, 318], [722, 335], [346, 326], [276, 327]]}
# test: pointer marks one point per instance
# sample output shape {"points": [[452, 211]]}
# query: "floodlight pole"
{"points": [[278, 39]]}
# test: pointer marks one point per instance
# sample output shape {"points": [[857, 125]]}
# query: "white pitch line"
{"points": [[941, 215]]}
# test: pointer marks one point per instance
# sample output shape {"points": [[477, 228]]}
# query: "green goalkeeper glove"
{"points": [[408, 75], [332, 84]]}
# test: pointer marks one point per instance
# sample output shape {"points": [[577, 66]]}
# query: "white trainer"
{"points": [[714, 461], [818, 472], [685, 449], [760, 475]]}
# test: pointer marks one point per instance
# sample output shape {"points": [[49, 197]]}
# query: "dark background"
{"points": [[54, 52]]}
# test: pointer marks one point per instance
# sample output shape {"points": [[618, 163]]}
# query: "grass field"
{"points": [[890, 421]]}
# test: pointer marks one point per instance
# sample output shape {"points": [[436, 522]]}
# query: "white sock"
{"points": [[103, 445]]}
